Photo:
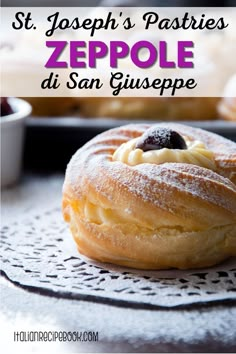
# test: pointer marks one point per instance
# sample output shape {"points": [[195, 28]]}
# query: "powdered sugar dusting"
{"points": [[92, 168]]}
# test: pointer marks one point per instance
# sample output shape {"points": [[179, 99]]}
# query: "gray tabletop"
{"points": [[209, 328]]}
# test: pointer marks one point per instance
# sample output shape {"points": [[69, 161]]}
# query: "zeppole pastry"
{"points": [[157, 108], [52, 106], [153, 197], [227, 106]]}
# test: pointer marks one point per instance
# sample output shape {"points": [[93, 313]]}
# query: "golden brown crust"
{"points": [[227, 108], [52, 106], [151, 216], [158, 108], [227, 105]]}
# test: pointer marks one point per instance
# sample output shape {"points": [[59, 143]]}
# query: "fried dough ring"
{"points": [[173, 215]]}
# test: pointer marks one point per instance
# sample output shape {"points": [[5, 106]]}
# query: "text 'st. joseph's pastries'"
{"points": [[153, 197]]}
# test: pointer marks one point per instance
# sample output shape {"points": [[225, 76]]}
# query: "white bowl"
{"points": [[12, 139]]}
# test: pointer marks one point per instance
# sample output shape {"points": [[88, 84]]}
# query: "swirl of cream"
{"points": [[195, 154]]}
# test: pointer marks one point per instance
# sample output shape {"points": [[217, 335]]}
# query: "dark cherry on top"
{"points": [[157, 138]]}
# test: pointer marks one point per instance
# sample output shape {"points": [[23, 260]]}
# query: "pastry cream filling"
{"points": [[196, 154], [100, 216]]}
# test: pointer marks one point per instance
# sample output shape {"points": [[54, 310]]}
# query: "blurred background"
{"points": [[65, 124]]}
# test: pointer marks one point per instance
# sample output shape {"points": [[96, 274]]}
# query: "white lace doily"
{"points": [[38, 253]]}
